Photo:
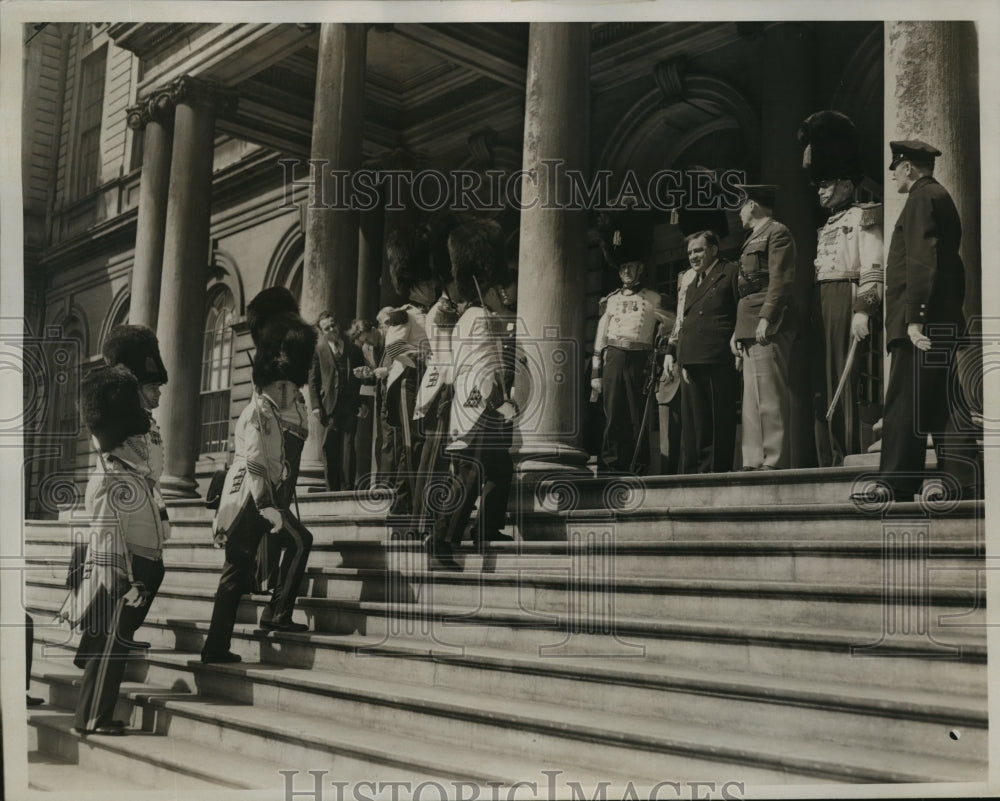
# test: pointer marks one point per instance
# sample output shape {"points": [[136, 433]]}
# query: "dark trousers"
{"points": [[832, 311], [921, 400], [399, 460], [102, 652], [238, 572], [432, 473], [708, 417], [485, 469], [624, 403], [29, 648], [339, 459]]}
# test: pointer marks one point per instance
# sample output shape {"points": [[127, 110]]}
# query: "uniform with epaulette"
{"points": [[632, 319], [480, 426], [847, 295], [125, 527], [253, 504], [432, 406], [136, 348], [405, 354]]}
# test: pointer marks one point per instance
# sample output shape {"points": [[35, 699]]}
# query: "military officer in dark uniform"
{"points": [[847, 298], [925, 288], [631, 320], [710, 384], [765, 328]]}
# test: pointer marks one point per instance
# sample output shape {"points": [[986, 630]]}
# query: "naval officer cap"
{"points": [[913, 150], [760, 193]]}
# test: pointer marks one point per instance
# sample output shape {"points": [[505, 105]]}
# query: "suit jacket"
{"points": [[339, 403], [924, 276], [767, 261], [709, 317]]}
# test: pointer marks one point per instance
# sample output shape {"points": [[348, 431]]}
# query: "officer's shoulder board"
{"points": [[871, 214]]}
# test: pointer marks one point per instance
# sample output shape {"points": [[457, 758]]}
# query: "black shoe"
{"points": [[222, 658], [135, 645], [879, 494], [439, 556], [32, 701], [497, 536], [110, 731], [283, 625]]}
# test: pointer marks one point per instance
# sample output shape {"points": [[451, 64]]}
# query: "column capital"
{"points": [[158, 106], [197, 91]]}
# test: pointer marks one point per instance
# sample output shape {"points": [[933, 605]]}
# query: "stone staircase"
{"points": [[752, 628]]}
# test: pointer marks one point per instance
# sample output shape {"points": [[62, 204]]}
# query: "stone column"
{"points": [[787, 99], [181, 323], [370, 247], [932, 94], [155, 116], [330, 271], [553, 247]]}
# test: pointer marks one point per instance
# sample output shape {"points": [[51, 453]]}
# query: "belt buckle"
{"points": [[626, 343]]}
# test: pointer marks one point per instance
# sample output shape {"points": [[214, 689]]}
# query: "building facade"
{"points": [[172, 171]]}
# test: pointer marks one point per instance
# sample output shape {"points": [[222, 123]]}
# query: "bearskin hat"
{"points": [[703, 213], [476, 249], [440, 261], [626, 236], [831, 147], [112, 406], [135, 347], [409, 252], [285, 342]]}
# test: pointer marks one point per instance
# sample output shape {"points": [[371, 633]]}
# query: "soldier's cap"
{"points": [[760, 193], [913, 150]]}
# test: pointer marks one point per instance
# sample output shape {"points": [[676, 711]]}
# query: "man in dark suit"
{"points": [[765, 328], [925, 288], [704, 351], [335, 392]]}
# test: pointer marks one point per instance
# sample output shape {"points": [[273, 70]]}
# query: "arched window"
{"points": [[216, 371]]}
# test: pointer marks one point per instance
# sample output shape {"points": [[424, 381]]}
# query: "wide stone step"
{"points": [[753, 522], [891, 719], [834, 656], [166, 763], [944, 563], [49, 773], [346, 748], [597, 601], [627, 744]]}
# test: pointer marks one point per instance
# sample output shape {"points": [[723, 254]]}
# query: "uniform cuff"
{"points": [[916, 313]]}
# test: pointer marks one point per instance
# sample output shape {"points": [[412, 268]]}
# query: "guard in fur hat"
{"points": [[482, 410], [136, 348], [403, 360], [124, 551], [254, 502], [432, 406], [847, 297], [632, 319]]}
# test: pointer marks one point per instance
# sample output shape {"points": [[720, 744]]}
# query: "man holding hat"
{"points": [[847, 299], [631, 319], [765, 330], [925, 288]]}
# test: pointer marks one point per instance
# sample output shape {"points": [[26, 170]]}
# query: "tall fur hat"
{"points": [[285, 342], [626, 236], [476, 248], [136, 347], [112, 406], [409, 252], [440, 228], [831, 147]]}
